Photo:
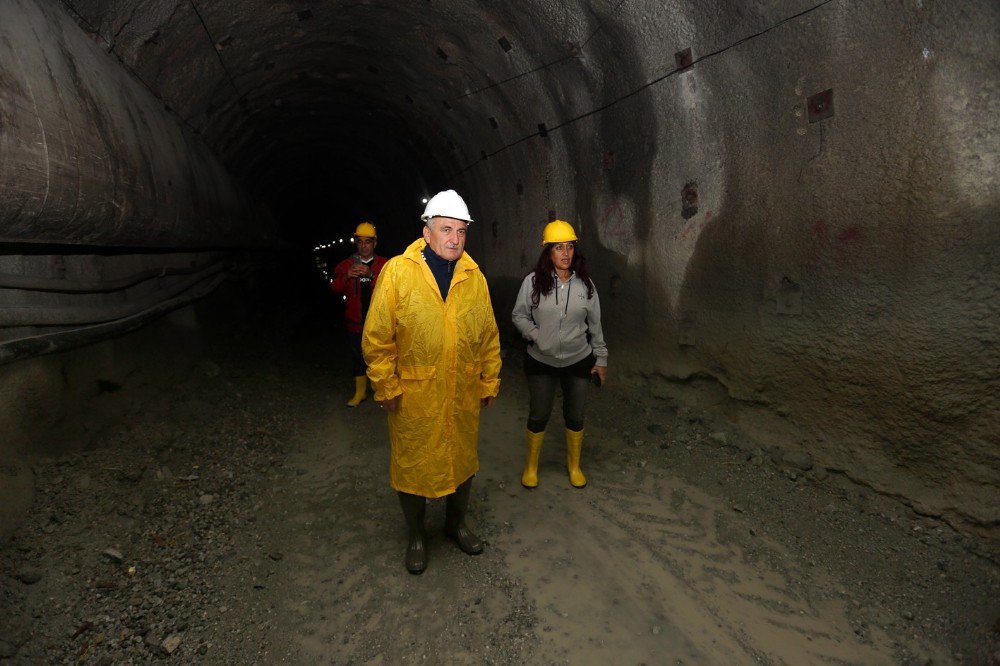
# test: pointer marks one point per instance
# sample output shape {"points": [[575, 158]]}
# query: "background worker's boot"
{"points": [[529, 477], [414, 507], [360, 391], [574, 442], [454, 522]]}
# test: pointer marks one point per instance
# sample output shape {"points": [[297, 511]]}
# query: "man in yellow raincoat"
{"points": [[433, 354]]}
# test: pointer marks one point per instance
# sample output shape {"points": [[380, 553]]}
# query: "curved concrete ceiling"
{"points": [[287, 92], [294, 96]]}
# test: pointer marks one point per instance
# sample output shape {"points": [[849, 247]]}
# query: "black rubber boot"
{"points": [[414, 507], [454, 523]]}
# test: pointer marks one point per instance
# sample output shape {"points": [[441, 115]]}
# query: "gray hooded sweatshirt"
{"points": [[559, 326]]}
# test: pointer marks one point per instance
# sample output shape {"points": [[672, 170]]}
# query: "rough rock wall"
{"points": [[88, 156], [829, 263], [837, 275], [55, 404]]}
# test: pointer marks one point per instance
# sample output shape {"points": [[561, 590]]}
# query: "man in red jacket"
{"points": [[354, 279]]}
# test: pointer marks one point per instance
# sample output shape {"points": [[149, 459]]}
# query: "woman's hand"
{"points": [[601, 371]]}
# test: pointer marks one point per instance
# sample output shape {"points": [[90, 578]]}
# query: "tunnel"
{"points": [[791, 213]]}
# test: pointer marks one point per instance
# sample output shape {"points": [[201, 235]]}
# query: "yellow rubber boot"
{"points": [[529, 477], [360, 391], [574, 442]]}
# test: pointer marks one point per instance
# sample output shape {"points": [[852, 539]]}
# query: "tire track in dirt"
{"points": [[632, 568], [642, 566]]}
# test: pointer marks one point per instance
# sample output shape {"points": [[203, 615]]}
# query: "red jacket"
{"points": [[357, 290]]}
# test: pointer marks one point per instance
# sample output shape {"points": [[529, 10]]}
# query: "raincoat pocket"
{"points": [[469, 387], [420, 390]]}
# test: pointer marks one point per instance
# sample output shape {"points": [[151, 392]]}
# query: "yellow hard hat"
{"points": [[558, 231], [365, 230]]}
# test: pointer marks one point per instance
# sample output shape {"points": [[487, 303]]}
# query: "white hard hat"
{"points": [[446, 204]]}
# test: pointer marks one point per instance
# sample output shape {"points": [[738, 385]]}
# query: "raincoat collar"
{"points": [[436, 260]]}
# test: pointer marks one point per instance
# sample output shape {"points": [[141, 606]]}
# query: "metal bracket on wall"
{"points": [[689, 200], [821, 106], [789, 297], [683, 59]]}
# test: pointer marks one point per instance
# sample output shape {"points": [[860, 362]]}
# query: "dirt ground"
{"points": [[245, 517]]}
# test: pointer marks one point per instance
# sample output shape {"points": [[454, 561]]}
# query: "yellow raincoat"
{"points": [[442, 358]]}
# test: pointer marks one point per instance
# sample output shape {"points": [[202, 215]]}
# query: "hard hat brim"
{"points": [[428, 218]]}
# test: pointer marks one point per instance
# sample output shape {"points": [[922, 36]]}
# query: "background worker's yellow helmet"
{"points": [[365, 230], [558, 231]]}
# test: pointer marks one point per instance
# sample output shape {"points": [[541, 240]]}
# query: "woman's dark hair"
{"points": [[544, 281]]}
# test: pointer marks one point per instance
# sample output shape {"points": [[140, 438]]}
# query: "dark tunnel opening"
{"points": [[319, 181], [322, 178], [320, 195]]}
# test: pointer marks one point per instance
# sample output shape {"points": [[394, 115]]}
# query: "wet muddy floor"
{"points": [[245, 517]]}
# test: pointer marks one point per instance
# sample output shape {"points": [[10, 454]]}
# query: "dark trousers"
{"points": [[358, 365], [542, 382]]}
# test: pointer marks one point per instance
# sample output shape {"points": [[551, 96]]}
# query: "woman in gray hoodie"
{"points": [[558, 313]]}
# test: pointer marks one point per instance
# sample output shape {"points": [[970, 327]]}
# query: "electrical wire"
{"points": [[80, 18], [645, 86], [540, 67], [47, 343], [218, 54]]}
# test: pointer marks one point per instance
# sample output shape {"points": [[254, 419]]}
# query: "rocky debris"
{"points": [[28, 576], [798, 459], [114, 555], [170, 643], [154, 594]]}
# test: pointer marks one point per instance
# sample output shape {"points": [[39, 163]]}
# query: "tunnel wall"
{"points": [[58, 404], [822, 273], [89, 156], [831, 286]]}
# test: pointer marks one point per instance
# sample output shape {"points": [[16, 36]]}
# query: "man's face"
{"points": [[366, 246], [446, 236]]}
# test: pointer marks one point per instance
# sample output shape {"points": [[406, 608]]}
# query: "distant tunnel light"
{"points": [[424, 200]]}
